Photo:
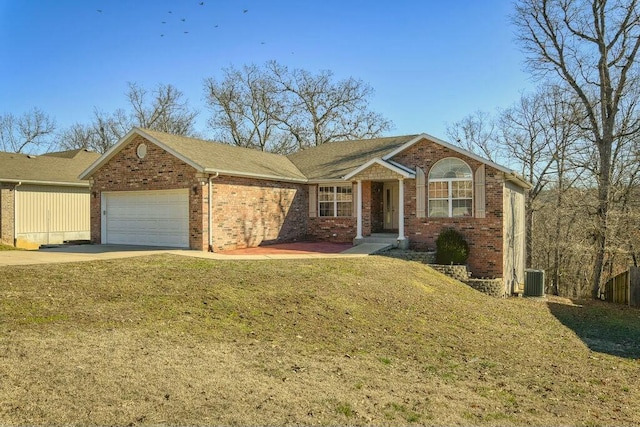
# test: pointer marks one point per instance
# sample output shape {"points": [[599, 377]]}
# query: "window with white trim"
{"points": [[335, 200], [450, 189]]}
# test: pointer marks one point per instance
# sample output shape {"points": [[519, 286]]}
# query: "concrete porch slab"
{"points": [[367, 248]]}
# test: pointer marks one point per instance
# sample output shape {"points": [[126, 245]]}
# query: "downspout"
{"points": [[15, 216], [210, 210]]}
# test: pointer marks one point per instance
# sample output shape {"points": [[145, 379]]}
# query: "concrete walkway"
{"points": [[100, 252]]}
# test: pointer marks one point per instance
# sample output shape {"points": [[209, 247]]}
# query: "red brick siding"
{"points": [[250, 212], [377, 207], [342, 229], [333, 229], [484, 235], [159, 170], [7, 213]]}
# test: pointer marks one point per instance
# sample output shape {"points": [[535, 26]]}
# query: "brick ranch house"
{"points": [[154, 188]]}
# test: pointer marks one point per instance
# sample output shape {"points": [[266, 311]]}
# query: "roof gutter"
{"points": [[255, 175], [518, 180], [36, 182]]}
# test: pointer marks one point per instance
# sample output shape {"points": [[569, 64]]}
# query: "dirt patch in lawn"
{"points": [[173, 340]]}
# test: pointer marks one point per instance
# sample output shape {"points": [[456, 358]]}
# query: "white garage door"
{"points": [[148, 218]]}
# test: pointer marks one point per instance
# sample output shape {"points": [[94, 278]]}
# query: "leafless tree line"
{"points": [[577, 139], [270, 108], [543, 137]]}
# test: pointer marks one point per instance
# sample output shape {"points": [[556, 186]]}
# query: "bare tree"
{"points": [[477, 133], [245, 106], [590, 46], [28, 132], [166, 111], [162, 109], [320, 110], [274, 109], [104, 131]]}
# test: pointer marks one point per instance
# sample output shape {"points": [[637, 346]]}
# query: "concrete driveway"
{"points": [[76, 253]]}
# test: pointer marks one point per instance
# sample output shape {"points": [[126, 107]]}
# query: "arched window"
{"points": [[450, 189]]}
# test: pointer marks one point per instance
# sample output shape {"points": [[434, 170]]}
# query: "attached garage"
{"points": [[147, 218]]}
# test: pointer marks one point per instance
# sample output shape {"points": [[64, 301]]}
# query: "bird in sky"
{"points": [[245, 10], [183, 19], [99, 10], [201, 3]]}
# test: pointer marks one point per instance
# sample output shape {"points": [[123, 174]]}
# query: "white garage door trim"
{"points": [[146, 218]]}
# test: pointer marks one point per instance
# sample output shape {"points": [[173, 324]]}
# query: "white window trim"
{"points": [[335, 200], [449, 197]]}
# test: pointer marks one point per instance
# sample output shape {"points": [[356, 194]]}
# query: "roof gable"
{"points": [[211, 157], [334, 160], [510, 175], [395, 168]]}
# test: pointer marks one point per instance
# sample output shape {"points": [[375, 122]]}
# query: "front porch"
{"points": [[380, 207]]}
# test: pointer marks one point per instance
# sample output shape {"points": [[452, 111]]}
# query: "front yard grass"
{"points": [[176, 340], [4, 247]]}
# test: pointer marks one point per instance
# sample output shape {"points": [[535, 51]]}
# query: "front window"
{"points": [[335, 200], [450, 189]]}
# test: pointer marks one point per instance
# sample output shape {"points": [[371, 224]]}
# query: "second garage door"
{"points": [[148, 218]]}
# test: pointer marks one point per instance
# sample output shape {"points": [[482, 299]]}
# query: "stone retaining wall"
{"points": [[458, 272], [492, 287], [407, 255]]}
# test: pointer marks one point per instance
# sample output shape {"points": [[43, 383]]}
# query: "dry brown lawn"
{"points": [[373, 341], [4, 247]]}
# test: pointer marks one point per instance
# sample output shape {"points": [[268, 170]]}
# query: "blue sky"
{"points": [[431, 62]]}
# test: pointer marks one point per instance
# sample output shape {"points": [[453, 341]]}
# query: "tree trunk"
{"points": [[604, 183], [556, 251]]}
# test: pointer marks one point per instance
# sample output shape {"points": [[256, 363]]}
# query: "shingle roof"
{"points": [[336, 159], [331, 161], [227, 159], [62, 167]]}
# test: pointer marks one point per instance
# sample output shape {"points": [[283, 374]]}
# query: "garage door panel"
{"points": [[157, 218]]}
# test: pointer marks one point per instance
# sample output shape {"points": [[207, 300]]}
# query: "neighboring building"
{"points": [[42, 200], [154, 188]]}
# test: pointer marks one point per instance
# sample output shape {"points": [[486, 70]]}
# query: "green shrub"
{"points": [[451, 248]]}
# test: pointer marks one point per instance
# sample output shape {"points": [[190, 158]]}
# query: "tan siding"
{"points": [[51, 214], [514, 237]]}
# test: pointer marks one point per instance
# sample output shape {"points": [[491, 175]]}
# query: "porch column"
{"points": [[401, 210], [359, 210]]}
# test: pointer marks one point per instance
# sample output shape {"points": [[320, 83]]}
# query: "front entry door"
{"points": [[390, 191]]}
